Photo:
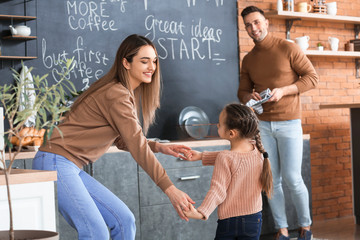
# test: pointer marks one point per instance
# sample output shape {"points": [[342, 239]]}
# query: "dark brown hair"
{"points": [[241, 118], [251, 9]]}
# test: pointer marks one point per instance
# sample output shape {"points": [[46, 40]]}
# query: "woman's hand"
{"points": [[193, 213], [179, 151], [179, 200]]}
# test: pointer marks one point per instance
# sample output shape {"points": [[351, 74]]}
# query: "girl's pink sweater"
{"points": [[235, 185]]}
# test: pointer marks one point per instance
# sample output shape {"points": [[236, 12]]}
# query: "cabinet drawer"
{"points": [[169, 162], [161, 222], [194, 181]]}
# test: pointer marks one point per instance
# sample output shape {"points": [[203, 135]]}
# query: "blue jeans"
{"points": [[283, 140], [246, 227], [87, 205]]}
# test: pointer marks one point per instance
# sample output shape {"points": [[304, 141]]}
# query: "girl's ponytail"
{"points": [[266, 174]]}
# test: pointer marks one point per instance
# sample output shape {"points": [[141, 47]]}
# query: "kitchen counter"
{"points": [[190, 143], [20, 176], [340, 105], [112, 149]]}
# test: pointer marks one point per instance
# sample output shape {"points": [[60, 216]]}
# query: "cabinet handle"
{"points": [[189, 178]]}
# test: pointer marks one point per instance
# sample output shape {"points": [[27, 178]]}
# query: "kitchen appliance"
{"points": [[194, 121]]}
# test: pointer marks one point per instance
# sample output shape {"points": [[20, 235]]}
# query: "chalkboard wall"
{"points": [[196, 41]]}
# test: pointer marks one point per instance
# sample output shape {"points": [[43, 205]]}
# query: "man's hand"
{"points": [[276, 94], [179, 200], [254, 95]]}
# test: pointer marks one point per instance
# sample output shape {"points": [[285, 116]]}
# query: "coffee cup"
{"points": [[303, 7], [331, 8], [303, 42], [349, 46], [334, 43]]}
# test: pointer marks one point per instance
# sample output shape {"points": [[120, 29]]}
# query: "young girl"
{"points": [[240, 175]]}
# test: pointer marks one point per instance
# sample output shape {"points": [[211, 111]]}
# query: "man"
{"points": [[282, 67]]}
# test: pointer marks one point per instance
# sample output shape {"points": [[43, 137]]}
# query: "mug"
{"points": [[331, 8], [303, 7], [334, 43], [303, 42], [349, 46]]}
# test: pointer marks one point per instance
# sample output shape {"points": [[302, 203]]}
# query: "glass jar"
{"points": [[289, 5]]}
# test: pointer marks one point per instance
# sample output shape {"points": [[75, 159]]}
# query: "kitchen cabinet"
{"points": [[155, 215], [32, 197], [158, 218], [12, 19], [290, 17]]}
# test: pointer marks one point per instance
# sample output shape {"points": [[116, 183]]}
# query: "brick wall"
{"points": [[329, 129]]}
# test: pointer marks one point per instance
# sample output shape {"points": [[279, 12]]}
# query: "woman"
{"points": [[107, 113]]}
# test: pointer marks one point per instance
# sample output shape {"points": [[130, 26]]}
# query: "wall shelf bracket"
{"points": [[357, 67], [289, 23], [357, 30]]}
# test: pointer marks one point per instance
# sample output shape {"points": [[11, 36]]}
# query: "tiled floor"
{"points": [[335, 229]]}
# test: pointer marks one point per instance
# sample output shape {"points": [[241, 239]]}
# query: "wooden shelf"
{"points": [[19, 37], [290, 17], [339, 105], [17, 18], [17, 57], [327, 53], [312, 16]]}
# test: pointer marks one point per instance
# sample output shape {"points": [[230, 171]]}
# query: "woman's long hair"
{"points": [[147, 95], [243, 119]]}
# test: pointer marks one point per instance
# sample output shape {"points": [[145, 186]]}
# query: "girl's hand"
{"points": [[179, 151], [193, 213], [179, 200], [194, 155]]}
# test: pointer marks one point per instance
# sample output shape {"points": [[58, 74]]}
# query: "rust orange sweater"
{"points": [[235, 185], [108, 116], [275, 63]]}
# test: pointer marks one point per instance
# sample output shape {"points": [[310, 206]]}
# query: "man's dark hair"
{"points": [[251, 9]]}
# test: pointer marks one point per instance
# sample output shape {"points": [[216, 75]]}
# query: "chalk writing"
{"points": [[176, 41], [122, 4], [83, 57], [90, 16], [164, 26], [193, 2], [205, 32]]}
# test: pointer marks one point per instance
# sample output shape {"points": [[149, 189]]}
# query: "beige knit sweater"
{"points": [[275, 63], [235, 185], [108, 116]]}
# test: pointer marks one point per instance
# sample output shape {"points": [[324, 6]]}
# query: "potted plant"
{"points": [[48, 106], [320, 47]]}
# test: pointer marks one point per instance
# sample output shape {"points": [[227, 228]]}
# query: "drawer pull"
{"points": [[189, 177]]}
